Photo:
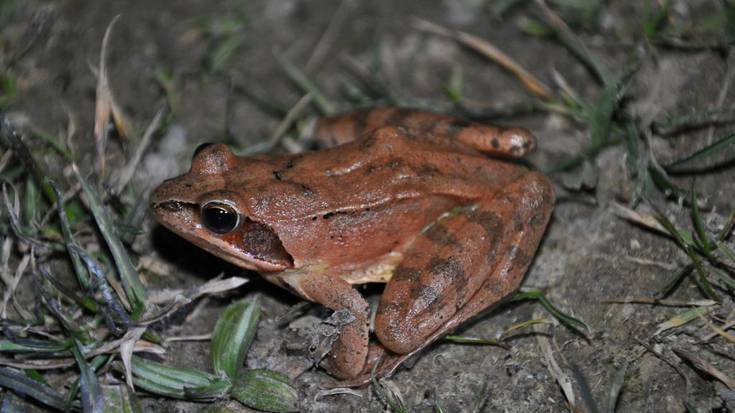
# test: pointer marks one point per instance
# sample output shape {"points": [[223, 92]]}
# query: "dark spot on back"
{"points": [[406, 274], [493, 226], [495, 143], [425, 293], [489, 221], [518, 224], [394, 163], [428, 170], [450, 269], [277, 175], [305, 190], [438, 234]]}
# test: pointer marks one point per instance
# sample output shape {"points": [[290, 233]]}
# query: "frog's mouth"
{"points": [[252, 245]]}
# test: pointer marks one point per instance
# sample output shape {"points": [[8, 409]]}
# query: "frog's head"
{"points": [[204, 207]]}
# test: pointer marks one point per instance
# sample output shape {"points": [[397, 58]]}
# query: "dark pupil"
{"points": [[219, 219]]}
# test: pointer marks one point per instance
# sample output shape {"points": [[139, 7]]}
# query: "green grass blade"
{"points": [[695, 120], [689, 246], [729, 253], [716, 148], [215, 390], [166, 380], [265, 390], [92, 398], [699, 224], [670, 287], [232, 336], [727, 229], [119, 400], [574, 323], [22, 385], [601, 113], [79, 269], [32, 346], [134, 289]]}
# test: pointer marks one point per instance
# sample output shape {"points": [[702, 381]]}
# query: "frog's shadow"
{"points": [[202, 266], [184, 255]]}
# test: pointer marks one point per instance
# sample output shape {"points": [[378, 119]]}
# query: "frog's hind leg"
{"points": [[493, 140], [463, 264]]}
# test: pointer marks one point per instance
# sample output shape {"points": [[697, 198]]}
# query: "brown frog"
{"points": [[402, 197]]}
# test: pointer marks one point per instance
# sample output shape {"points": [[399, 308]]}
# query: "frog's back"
{"points": [[370, 197], [392, 163]]}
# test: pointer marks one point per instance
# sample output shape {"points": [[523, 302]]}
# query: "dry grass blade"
{"points": [[657, 301], [127, 173], [485, 48], [126, 351], [338, 390], [103, 101], [562, 378], [215, 286], [326, 107], [293, 114], [12, 285], [704, 366], [572, 42], [329, 36], [643, 219], [105, 105], [613, 394], [683, 318]]}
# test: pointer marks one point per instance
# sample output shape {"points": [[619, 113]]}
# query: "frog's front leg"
{"points": [[462, 265], [349, 352]]}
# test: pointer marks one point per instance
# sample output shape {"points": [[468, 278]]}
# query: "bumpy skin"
{"points": [[403, 197]]}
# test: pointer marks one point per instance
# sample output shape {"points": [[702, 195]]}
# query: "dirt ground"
{"points": [[589, 256]]}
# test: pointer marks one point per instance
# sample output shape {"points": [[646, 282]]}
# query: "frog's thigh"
{"points": [[464, 264], [349, 352]]}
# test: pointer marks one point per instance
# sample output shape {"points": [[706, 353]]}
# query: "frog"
{"points": [[441, 210]]}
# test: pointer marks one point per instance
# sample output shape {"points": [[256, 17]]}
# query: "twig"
{"points": [[490, 51]]}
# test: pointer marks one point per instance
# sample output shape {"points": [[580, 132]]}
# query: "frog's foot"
{"points": [[463, 264], [349, 349], [327, 334]]}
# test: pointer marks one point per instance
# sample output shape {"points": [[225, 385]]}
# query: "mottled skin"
{"points": [[403, 197]]}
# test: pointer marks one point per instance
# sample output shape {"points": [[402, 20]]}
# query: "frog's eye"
{"points": [[220, 217]]}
